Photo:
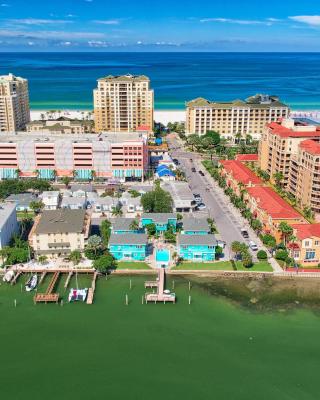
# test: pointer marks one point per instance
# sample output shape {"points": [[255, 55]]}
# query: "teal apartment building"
{"points": [[197, 247], [128, 247], [162, 221]]}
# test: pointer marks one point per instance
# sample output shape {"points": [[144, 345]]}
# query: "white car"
{"points": [[201, 206], [253, 246]]}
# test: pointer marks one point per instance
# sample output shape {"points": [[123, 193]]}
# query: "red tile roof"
{"points": [[247, 157], [143, 128], [269, 201], [240, 172], [303, 231], [311, 146], [284, 132]]}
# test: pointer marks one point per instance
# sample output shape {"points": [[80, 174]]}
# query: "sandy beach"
{"points": [[163, 116]]}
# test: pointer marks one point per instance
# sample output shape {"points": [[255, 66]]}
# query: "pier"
{"points": [[160, 296], [92, 289], [48, 296]]}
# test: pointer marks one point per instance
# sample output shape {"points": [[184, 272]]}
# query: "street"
{"points": [[227, 218]]}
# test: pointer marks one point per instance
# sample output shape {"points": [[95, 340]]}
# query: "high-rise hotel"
{"points": [[14, 103], [233, 118], [123, 103]]}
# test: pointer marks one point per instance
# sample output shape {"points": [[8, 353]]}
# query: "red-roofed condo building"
{"points": [[270, 209], [293, 149], [280, 143], [238, 176], [306, 248]]}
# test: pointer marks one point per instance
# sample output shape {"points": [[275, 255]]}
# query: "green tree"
{"points": [[194, 140], [151, 229], [256, 225], [116, 211], [75, 257], [278, 178], [94, 243], [281, 255], [104, 263], [170, 236], [134, 226], [269, 241], [247, 260], [286, 230], [236, 248], [158, 201], [308, 213], [105, 231], [36, 206], [66, 181]]}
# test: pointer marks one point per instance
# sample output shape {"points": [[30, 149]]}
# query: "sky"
{"points": [[166, 25]]}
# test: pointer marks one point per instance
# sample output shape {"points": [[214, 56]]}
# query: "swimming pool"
{"points": [[162, 255]]}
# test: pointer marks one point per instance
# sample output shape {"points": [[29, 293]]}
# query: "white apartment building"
{"points": [[8, 223], [14, 103]]}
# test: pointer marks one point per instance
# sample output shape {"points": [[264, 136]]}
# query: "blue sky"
{"points": [[168, 25]]}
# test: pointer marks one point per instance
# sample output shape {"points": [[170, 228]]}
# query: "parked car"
{"points": [[244, 233], [198, 200], [201, 173], [196, 196], [253, 246], [201, 206], [193, 169], [175, 161]]}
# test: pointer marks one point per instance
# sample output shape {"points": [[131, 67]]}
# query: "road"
{"points": [[227, 218]]}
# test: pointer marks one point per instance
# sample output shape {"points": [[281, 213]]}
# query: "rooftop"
{"points": [[240, 172], [293, 130], [195, 224], [61, 221], [247, 157], [209, 240], [22, 198], [180, 190], [311, 147], [268, 200], [128, 238], [5, 211], [304, 231], [127, 77], [257, 101], [121, 224], [159, 217]]}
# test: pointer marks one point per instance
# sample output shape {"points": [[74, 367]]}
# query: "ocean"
{"points": [[66, 80]]}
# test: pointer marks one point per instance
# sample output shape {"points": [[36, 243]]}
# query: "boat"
{"points": [[77, 295], [8, 276], [32, 283]]}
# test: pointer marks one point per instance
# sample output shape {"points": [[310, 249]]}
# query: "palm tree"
{"points": [[66, 180], [286, 230], [42, 259], [134, 226], [116, 211], [278, 177]]}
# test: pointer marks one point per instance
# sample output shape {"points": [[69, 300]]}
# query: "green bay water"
{"points": [[211, 349], [66, 80]]}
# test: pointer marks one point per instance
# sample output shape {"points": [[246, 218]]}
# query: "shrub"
{"points": [[262, 255], [281, 255]]}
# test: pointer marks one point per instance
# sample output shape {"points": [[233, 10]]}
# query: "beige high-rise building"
{"points": [[123, 103], [234, 118], [279, 146], [14, 103]]}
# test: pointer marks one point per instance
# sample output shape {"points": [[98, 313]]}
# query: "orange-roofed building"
{"points": [[247, 158], [306, 248], [269, 208], [237, 175]]}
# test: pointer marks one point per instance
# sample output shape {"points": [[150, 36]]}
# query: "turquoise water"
{"points": [[162, 255], [62, 80]]}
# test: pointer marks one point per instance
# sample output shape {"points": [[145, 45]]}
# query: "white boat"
{"points": [[8, 276], [78, 295], [32, 283]]}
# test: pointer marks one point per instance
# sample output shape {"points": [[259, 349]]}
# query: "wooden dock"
{"points": [[43, 274], [160, 296], [48, 296], [15, 278], [92, 290], [68, 279]]}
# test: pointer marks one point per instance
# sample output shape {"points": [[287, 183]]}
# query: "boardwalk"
{"points": [[92, 290], [160, 296], [48, 296]]}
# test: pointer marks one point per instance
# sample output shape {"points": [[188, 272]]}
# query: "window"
{"points": [[307, 243], [317, 242], [310, 254]]}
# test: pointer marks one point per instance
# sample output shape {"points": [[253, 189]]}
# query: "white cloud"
{"points": [[51, 35], [313, 20], [31, 43], [65, 44], [4, 5], [240, 21], [37, 21], [97, 43], [107, 22]]}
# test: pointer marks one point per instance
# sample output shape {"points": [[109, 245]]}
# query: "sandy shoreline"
{"points": [[163, 116]]}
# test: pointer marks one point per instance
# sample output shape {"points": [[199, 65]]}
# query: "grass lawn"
{"points": [[23, 214], [260, 266], [219, 266], [132, 265]]}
